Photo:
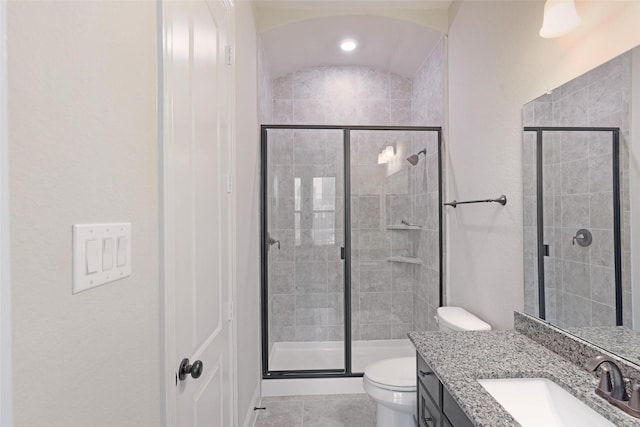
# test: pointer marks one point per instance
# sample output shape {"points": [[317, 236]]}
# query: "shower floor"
{"points": [[295, 356]]}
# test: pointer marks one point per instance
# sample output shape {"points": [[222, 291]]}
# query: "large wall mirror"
{"points": [[581, 183]]}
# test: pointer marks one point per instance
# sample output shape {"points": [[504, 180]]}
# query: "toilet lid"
{"points": [[459, 319], [398, 372]]}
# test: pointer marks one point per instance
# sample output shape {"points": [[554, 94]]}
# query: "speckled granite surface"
{"points": [[460, 358], [567, 345], [619, 340]]}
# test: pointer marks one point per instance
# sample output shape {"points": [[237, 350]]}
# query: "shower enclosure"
{"points": [[572, 239], [351, 245]]}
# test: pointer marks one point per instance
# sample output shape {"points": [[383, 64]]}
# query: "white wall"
{"points": [[5, 290], [83, 149], [248, 211], [265, 88], [271, 15], [498, 62]]}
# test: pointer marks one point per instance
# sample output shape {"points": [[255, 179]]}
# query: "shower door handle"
{"points": [[271, 241], [342, 253]]}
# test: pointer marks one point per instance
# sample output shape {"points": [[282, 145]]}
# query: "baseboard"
{"points": [[250, 417]]}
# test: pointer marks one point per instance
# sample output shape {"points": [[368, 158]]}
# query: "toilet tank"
{"points": [[459, 319]]}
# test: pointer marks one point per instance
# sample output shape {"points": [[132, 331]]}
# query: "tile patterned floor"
{"points": [[335, 410]]}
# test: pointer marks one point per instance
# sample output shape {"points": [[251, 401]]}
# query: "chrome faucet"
{"points": [[614, 390]]}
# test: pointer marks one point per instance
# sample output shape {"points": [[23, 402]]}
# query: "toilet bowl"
{"points": [[391, 383]]}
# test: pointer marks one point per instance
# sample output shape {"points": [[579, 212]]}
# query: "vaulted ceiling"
{"points": [[391, 35]]}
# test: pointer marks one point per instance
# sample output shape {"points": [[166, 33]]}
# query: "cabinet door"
{"points": [[429, 379], [428, 413], [453, 412]]}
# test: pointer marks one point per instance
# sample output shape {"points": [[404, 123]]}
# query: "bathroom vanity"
{"points": [[451, 363], [436, 406]]}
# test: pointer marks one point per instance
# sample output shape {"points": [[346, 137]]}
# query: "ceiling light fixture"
{"points": [[348, 45], [560, 17]]}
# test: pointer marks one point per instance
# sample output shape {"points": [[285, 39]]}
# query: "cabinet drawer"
{"points": [[428, 413], [453, 412], [428, 379]]}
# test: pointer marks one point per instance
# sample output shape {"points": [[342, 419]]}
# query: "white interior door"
{"points": [[196, 213]]}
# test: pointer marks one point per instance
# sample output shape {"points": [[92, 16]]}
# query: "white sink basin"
{"points": [[539, 402]]}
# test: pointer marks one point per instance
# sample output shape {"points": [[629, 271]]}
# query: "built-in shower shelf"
{"points": [[405, 259], [403, 227]]}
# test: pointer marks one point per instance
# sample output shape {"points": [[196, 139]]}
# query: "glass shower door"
{"points": [[395, 235], [304, 225], [577, 206]]}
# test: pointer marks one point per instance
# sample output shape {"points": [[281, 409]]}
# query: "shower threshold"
{"points": [[291, 356], [294, 356]]}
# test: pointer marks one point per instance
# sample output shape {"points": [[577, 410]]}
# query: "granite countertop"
{"points": [[620, 340], [460, 358]]}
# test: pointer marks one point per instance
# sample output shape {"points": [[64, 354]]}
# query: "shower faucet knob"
{"points": [[583, 237]]}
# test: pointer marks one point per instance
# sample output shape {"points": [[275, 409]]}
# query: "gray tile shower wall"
{"points": [[306, 279], [577, 172], [428, 100], [342, 95]]}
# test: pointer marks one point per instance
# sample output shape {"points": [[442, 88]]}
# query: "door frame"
{"points": [[6, 418], [168, 368]]}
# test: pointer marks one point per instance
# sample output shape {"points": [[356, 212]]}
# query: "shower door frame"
{"points": [[617, 241], [264, 229]]}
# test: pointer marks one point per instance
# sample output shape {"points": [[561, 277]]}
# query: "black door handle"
{"points": [[185, 369]]}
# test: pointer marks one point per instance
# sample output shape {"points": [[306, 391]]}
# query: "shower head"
{"points": [[414, 158]]}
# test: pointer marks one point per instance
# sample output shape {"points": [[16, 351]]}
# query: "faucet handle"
{"points": [[605, 379], [634, 402]]}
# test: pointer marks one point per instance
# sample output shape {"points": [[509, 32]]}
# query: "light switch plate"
{"points": [[82, 233]]}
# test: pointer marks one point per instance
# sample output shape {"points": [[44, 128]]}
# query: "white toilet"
{"points": [[391, 383], [459, 319]]}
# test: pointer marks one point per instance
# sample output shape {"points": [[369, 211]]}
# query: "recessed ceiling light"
{"points": [[348, 45]]}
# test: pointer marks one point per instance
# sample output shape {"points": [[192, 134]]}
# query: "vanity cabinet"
{"points": [[436, 407]]}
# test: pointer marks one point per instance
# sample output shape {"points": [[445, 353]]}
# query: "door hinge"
{"points": [[229, 183], [228, 54], [229, 311]]}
